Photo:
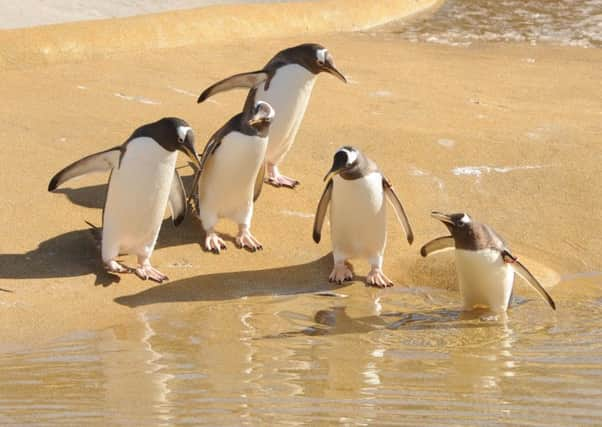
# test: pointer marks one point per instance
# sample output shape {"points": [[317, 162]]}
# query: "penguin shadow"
{"points": [[289, 280], [77, 253], [72, 254]]}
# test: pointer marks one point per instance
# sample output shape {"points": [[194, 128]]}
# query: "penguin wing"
{"points": [[399, 211], [440, 244], [99, 162], [177, 199], [522, 271], [259, 182], [237, 81], [321, 211]]}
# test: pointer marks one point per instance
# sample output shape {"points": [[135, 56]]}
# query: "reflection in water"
{"points": [[375, 361], [159, 380]]}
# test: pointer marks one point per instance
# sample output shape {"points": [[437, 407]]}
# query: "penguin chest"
{"points": [[358, 215], [484, 279], [289, 92], [228, 180], [138, 192]]}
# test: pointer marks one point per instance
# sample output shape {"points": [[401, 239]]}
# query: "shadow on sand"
{"points": [[290, 280], [77, 253]]}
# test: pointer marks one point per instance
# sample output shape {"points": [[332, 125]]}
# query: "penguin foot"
{"points": [[377, 278], [340, 273], [282, 181], [115, 267], [214, 243], [147, 272], [246, 240]]}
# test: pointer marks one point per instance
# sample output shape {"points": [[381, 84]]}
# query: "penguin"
{"points": [[142, 182], [484, 264], [356, 190], [288, 79], [231, 173]]}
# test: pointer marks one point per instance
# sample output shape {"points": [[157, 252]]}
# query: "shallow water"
{"points": [[404, 356], [463, 22]]}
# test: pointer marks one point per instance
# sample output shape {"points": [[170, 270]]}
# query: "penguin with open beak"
{"points": [[484, 264]]}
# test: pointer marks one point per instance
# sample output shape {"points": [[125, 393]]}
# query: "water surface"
{"points": [[464, 22], [354, 356]]}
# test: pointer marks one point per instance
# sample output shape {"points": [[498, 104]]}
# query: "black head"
{"points": [[469, 234], [172, 134], [256, 117], [314, 57], [457, 223], [345, 159], [262, 115]]}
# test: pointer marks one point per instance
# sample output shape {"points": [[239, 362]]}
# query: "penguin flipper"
{"points": [[177, 199], [99, 162], [398, 207], [237, 81], [321, 211], [259, 182], [522, 271], [440, 244]]}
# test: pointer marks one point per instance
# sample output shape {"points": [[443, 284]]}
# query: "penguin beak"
{"points": [[331, 69], [190, 151], [442, 217], [338, 164], [256, 120]]}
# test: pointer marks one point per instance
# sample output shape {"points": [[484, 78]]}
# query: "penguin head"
{"points": [[261, 116], [315, 58], [460, 225], [345, 158], [180, 137]]}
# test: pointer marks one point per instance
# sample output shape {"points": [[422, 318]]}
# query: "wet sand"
{"points": [[509, 133]]}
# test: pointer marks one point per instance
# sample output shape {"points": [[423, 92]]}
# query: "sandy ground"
{"points": [[510, 134]]}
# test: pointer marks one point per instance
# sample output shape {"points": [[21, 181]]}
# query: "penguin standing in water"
{"points": [[288, 79], [356, 190], [142, 183], [484, 264], [231, 175]]}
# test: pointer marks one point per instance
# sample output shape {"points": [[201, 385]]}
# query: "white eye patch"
{"points": [[182, 131], [465, 219], [321, 55], [266, 107]]}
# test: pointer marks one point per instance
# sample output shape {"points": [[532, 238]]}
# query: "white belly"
{"points": [[484, 279], [289, 93], [137, 196], [358, 216], [227, 184]]}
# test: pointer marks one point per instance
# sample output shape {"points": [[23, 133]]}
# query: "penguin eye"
{"points": [[180, 140]]}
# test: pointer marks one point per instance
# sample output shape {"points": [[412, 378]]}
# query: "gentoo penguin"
{"points": [[356, 189], [484, 264], [143, 181], [288, 79], [231, 174]]}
